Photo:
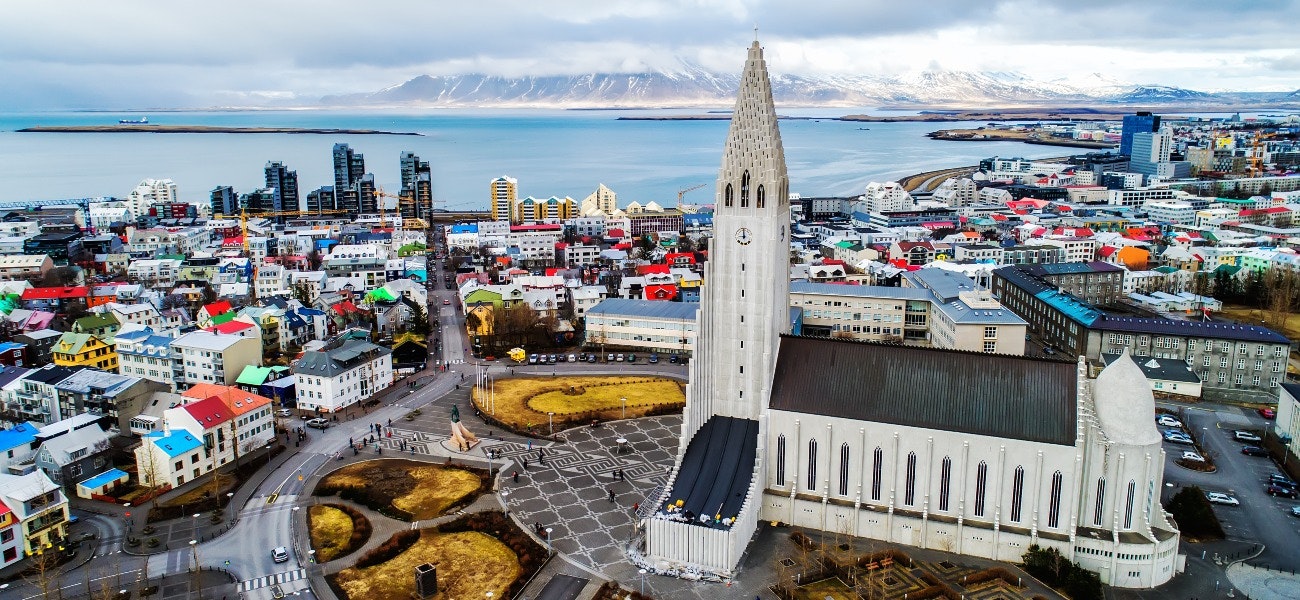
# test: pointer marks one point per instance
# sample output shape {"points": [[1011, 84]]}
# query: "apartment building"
{"points": [[208, 357], [621, 324], [344, 373]]}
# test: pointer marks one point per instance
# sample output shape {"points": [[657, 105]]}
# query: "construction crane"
{"points": [[383, 218], [1257, 157], [682, 192]]}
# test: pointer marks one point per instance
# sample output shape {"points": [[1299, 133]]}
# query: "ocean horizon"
{"points": [[552, 152]]}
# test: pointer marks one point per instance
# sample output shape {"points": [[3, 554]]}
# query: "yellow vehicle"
{"points": [[517, 355]]}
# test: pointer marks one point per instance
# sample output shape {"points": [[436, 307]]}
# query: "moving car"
{"points": [[1168, 421], [1245, 436], [1280, 490], [1267, 413], [446, 302], [1254, 451], [1191, 456], [1219, 498], [318, 423], [280, 554], [283, 412]]}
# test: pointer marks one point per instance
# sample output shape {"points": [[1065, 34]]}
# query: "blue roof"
{"points": [[176, 444], [310, 312], [465, 228], [136, 334], [1071, 306], [655, 309], [103, 479], [22, 433], [7, 346]]}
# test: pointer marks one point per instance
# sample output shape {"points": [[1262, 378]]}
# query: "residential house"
{"points": [[118, 397], [30, 267], [11, 536], [75, 456], [251, 424], [33, 396], [343, 373], [102, 325], [14, 354], [170, 458], [208, 357], [55, 299], [205, 316], [84, 350], [40, 344], [142, 353], [40, 508], [17, 444]]}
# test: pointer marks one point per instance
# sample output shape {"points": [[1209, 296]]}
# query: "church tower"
{"points": [[709, 508], [744, 306]]}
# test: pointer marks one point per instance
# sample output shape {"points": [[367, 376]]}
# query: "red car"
{"points": [[1267, 413]]}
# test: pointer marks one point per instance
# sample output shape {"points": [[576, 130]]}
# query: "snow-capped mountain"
{"points": [[692, 86]]}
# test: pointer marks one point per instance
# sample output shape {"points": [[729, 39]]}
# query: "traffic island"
{"points": [[336, 530], [475, 554], [544, 405], [406, 490]]}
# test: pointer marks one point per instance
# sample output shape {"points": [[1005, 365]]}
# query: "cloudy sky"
{"points": [[152, 53]]}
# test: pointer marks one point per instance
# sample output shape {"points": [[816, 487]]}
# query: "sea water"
{"points": [[551, 152]]}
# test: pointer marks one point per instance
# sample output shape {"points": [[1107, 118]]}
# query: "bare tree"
{"points": [[42, 572]]}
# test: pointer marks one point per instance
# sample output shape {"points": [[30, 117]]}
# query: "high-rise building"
{"points": [[285, 185], [1151, 157], [365, 187], [417, 186], [349, 166], [1142, 122], [225, 201], [503, 194], [320, 199]]}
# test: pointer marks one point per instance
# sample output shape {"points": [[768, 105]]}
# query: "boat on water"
{"points": [[140, 121]]}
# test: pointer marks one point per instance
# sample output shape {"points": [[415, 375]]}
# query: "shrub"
{"points": [[399, 543], [1049, 566], [1194, 515]]}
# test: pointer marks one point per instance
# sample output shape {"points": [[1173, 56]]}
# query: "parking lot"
{"points": [[1260, 518]]}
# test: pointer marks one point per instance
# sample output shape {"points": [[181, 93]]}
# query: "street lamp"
{"points": [[642, 573], [548, 539], [194, 548], [195, 522], [550, 421], [624, 400]]}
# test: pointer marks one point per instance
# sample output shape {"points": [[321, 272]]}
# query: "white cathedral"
{"points": [[977, 454]]}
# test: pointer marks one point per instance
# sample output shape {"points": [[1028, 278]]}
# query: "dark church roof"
{"points": [[994, 395]]}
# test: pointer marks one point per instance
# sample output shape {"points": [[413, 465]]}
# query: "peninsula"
{"points": [[1031, 135], [139, 128]]}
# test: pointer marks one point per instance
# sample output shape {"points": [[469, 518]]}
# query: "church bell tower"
{"points": [[744, 306]]}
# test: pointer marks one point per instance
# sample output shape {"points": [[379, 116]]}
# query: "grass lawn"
{"points": [[422, 489], [524, 401], [826, 588], [1254, 316], [330, 530], [470, 564]]}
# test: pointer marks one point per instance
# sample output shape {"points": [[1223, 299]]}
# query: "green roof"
{"points": [[75, 341], [253, 375], [225, 317], [380, 295], [1166, 269], [1229, 269], [96, 321]]}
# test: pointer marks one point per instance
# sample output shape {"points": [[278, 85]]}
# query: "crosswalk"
{"points": [[273, 579]]}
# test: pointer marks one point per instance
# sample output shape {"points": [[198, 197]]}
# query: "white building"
{"points": [[271, 280], [619, 324], [207, 357], [884, 197], [144, 354], [973, 453], [40, 508], [148, 193], [343, 373], [1177, 213]]}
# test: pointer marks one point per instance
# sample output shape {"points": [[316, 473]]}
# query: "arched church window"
{"points": [[780, 459], [726, 196], [945, 482], [760, 198], [1128, 504], [1101, 501], [909, 486], [1017, 493], [877, 462], [1054, 504], [812, 464], [844, 469], [744, 190], [981, 479]]}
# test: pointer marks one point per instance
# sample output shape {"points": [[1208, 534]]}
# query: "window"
{"points": [[990, 346], [876, 466], [744, 190], [990, 333], [909, 486], [761, 197], [780, 459], [844, 463], [726, 196], [812, 464], [981, 478], [1237, 379], [7, 535], [1017, 493], [1101, 497], [945, 477], [1054, 503], [1128, 505]]}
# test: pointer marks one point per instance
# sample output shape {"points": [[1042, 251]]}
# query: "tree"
{"points": [[473, 322], [43, 573], [60, 277]]}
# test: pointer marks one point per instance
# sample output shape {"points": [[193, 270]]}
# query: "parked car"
{"points": [[1245, 436], [1295, 511], [1279, 479], [280, 554], [561, 358], [1168, 421], [673, 359], [318, 423], [1254, 451], [654, 358], [582, 357], [1178, 437], [445, 302], [1280, 490], [631, 358], [1219, 498], [532, 359], [1191, 456], [283, 412], [573, 358], [1267, 413], [591, 358], [609, 358]]}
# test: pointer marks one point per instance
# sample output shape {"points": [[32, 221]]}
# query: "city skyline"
{"points": [[142, 53]]}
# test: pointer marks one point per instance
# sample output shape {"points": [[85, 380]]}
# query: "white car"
{"points": [[1191, 456], [280, 554], [1219, 498], [1245, 436], [283, 412], [1169, 421]]}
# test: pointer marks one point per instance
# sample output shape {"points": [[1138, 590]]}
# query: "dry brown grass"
{"points": [[436, 489], [1255, 316], [330, 530], [524, 401], [202, 491], [470, 564]]}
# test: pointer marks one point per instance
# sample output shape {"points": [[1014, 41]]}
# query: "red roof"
{"points": [[618, 233], [555, 227], [344, 307], [674, 257], [623, 246], [561, 245], [648, 269], [664, 291], [832, 261], [55, 293], [217, 308], [209, 412], [229, 327], [1107, 251]]}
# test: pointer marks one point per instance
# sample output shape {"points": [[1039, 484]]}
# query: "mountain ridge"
{"points": [[693, 86]]}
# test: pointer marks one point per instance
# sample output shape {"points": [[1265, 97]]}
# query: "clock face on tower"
{"points": [[744, 236]]}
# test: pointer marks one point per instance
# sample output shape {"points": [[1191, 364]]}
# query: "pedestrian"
{"points": [[390, 422], [611, 494], [516, 476], [530, 445], [636, 507], [525, 464], [349, 441]]}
